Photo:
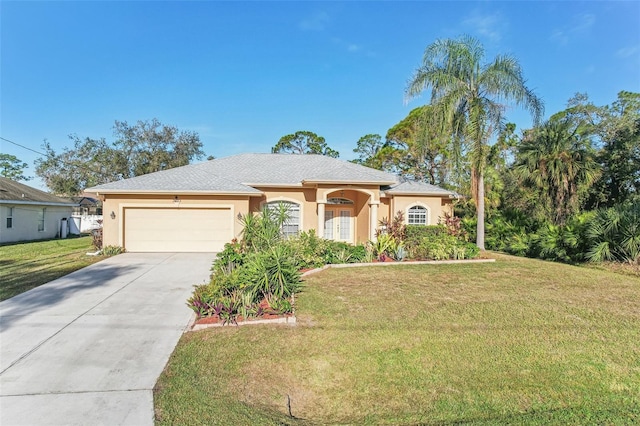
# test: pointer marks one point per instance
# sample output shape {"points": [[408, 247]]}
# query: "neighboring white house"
{"points": [[28, 214]]}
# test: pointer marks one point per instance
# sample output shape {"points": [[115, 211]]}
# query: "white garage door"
{"points": [[179, 230]]}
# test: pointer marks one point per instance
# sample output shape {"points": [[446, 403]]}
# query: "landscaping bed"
{"points": [[261, 273]]}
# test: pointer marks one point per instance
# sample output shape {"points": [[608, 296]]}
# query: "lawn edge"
{"points": [[417, 262]]}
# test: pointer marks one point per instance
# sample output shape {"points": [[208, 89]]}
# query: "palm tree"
{"points": [[557, 161], [474, 96]]}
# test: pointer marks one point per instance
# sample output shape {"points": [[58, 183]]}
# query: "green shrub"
{"points": [[614, 234], [112, 250], [308, 250], [562, 243], [416, 233], [386, 246], [271, 273], [203, 299], [230, 258], [443, 247]]}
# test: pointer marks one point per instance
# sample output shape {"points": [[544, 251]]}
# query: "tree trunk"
{"points": [[480, 210]]}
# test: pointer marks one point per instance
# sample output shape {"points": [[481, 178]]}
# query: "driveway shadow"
{"points": [[85, 283]]}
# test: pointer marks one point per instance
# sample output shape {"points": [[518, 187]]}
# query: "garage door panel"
{"points": [[183, 229]]}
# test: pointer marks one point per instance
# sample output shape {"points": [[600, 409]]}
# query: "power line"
{"points": [[57, 159], [22, 146]]}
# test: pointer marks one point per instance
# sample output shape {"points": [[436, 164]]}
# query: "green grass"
{"points": [[519, 341], [24, 266]]}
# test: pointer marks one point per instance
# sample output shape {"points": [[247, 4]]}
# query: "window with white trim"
{"points": [[292, 226], [9, 217], [417, 215], [41, 214]]}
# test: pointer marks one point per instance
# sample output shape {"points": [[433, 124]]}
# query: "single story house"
{"points": [[29, 214], [197, 207]]}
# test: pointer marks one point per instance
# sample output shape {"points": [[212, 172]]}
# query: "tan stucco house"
{"points": [[197, 207], [27, 213]]}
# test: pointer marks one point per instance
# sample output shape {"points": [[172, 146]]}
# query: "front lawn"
{"points": [[516, 341], [24, 266]]}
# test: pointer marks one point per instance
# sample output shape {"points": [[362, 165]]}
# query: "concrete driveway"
{"points": [[88, 348]]}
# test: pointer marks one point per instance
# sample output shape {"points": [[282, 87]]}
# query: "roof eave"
{"points": [[428, 194], [347, 182], [39, 203], [257, 193], [273, 185]]}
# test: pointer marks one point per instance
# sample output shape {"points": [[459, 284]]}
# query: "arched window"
{"points": [[417, 215], [292, 226]]}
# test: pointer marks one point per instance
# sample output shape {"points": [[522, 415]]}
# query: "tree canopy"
{"points": [[304, 142], [471, 94], [423, 145], [146, 147], [12, 167], [559, 164]]}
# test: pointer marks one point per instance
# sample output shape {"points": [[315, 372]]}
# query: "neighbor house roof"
{"points": [[12, 192], [240, 174]]}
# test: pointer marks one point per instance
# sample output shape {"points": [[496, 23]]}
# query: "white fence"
{"points": [[88, 222]]}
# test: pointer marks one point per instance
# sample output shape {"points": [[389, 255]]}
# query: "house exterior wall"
{"points": [[384, 209], [306, 197], [25, 222], [362, 196], [117, 203], [435, 205]]}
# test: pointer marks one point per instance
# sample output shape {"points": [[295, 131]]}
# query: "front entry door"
{"points": [[338, 224]]}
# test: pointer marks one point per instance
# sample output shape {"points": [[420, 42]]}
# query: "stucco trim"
{"points": [[323, 192]]}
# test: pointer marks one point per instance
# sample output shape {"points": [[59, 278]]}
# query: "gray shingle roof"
{"points": [[16, 192], [410, 187], [190, 178], [290, 169], [238, 173]]}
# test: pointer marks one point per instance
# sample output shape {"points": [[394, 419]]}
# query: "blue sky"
{"points": [[243, 74]]}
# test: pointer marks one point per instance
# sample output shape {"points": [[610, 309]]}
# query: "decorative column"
{"points": [[320, 228], [373, 219]]}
